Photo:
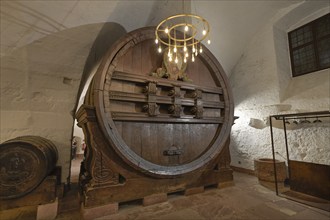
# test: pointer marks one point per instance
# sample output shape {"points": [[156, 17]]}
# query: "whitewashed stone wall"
{"points": [[262, 86], [40, 84], [48, 50]]}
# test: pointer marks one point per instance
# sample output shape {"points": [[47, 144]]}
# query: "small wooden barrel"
{"points": [[264, 168], [24, 163]]}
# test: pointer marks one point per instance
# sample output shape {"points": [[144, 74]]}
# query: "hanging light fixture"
{"points": [[182, 33]]}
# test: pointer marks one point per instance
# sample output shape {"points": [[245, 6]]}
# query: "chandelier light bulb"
{"points": [[170, 58], [195, 30]]}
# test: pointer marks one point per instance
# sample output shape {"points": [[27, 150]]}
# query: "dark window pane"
{"points": [[310, 46], [302, 36], [304, 59], [323, 26], [323, 48]]}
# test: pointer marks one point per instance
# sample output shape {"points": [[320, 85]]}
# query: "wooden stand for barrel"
{"points": [[25, 163], [150, 136]]}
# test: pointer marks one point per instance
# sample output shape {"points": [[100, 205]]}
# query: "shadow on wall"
{"points": [[45, 76], [41, 80], [107, 36]]}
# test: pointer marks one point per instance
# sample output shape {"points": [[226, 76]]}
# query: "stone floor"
{"points": [[246, 200]]}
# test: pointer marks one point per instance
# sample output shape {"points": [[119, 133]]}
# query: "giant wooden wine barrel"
{"points": [[139, 119], [24, 163]]}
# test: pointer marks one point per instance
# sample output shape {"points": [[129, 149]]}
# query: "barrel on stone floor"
{"points": [[148, 133], [161, 126], [264, 168], [24, 163]]}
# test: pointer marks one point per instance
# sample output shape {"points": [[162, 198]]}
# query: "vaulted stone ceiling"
{"points": [[60, 23]]}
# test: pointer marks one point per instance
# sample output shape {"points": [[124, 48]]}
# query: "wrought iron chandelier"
{"points": [[182, 34]]}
